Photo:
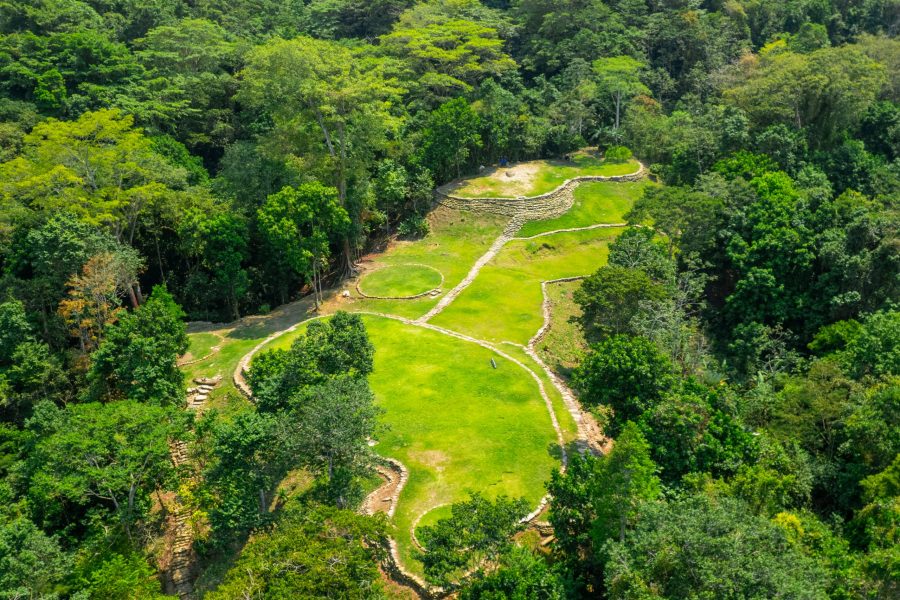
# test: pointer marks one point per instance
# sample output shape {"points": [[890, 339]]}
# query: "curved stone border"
{"points": [[400, 471], [508, 232], [570, 230], [394, 565], [543, 206], [589, 432], [214, 350], [415, 524], [423, 294]]}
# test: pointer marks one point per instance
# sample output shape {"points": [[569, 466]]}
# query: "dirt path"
{"points": [[187, 359], [590, 434], [385, 498]]}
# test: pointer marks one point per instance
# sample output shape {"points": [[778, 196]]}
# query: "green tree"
{"points": [[248, 456], [125, 576], [597, 500], [299, 222], [450, 137], [337, 98], [106, 457], [520, 573], [196, 59], [334, 425], [827, 91], [619, 76], [311, 552], [625, 480], [612, 297], [137, 359], [99, 167], [476, 532], [221, 243], [32, 564], [447, 54], [627, 374], [692, 431], [636, 248], [14, 329], [695, 547], [338, 346]]}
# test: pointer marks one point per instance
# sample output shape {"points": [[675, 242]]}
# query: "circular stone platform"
{"points": [[398, 282]]}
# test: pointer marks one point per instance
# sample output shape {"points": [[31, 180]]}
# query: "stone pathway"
{"points": [[590, 436], [567, 230], [514, 225], [180, 571], [212, 351]]}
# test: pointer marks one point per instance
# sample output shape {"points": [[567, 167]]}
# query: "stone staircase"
{"points": [[180, 571]]}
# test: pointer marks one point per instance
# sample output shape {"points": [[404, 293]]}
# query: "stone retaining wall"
{"points": [[530, 208]]}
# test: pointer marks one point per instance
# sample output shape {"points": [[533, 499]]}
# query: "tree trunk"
{"points": [[618, 109], [132, 297]]}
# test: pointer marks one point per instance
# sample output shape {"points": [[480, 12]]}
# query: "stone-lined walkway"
{"points": [[180, 570], [590, 436]]}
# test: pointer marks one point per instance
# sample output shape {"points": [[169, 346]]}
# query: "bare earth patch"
{"points": [[515, 180]]}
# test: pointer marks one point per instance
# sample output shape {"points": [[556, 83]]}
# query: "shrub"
{"points": [[617, 154], [414, 227]]}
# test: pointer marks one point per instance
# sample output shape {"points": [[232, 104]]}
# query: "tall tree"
{"points": [[299, 222], [334, 424], [109, 457], [99, 167], [619, 77], [137, 359], [310, 86]]}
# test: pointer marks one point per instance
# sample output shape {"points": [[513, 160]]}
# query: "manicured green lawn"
{"points": [[456, 241], [504, 301], [201, 344], [538, 177], [400, 280], [564, 343], [457, 423], [595, 202]]}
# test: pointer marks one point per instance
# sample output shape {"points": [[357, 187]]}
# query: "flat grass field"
{"points": [[201, 344], [536, 177], [458, 424], [400, 280], [504, 301], [456, 241], [595, 202]]}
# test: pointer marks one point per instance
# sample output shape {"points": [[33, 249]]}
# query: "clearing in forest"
{"points": [[535, 177], [400, 281], [457, 422]]}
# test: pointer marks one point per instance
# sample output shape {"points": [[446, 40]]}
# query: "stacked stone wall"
{"points": [[531, 208]]}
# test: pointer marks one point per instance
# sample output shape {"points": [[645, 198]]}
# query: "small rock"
{"points": [[345, 294]]}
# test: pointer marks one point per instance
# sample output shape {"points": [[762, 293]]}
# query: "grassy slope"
{"points": [[400, 280], [550, 174], [201, 344], [564, 341], [456, 241], [596, 202], [504, 302], [457, 423]]}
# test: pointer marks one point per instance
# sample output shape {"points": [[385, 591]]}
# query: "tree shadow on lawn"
{"points": [[555, 450]]}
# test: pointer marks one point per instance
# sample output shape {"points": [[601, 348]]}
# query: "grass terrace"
{"points": [[536, 177]]}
